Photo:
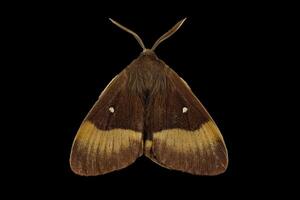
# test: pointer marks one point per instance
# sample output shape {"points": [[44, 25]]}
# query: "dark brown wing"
{"points": [[110, 137], [185, 137]]}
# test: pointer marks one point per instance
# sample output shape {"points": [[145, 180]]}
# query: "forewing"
{"points": [[110, 137], [184, 137]]}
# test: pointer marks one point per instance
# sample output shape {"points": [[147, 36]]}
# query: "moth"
{"points": [[147, 109]]}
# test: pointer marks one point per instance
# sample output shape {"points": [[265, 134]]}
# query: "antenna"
{"points": [[168, 34], [140, 41], [160, 40]]}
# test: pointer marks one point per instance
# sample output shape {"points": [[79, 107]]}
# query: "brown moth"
{"points": [[148, 110]]}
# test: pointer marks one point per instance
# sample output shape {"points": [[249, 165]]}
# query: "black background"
{"points": [[70, 53]]}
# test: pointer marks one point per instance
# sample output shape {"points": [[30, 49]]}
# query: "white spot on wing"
{"points": [[184, 109], [111, 109]]}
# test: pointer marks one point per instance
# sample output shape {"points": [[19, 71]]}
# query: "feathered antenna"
{"points": [[140, 41], [160, 40], [168, 34]]}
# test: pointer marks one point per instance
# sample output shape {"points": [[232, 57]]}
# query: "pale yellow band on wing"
{"points": [[201, 152], [98, 151]]}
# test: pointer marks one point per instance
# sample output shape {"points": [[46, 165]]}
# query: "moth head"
{"points": [[160, 40], [148, 52]]}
